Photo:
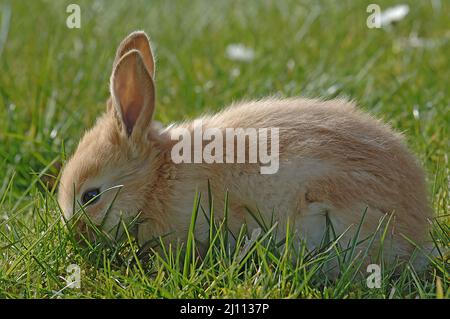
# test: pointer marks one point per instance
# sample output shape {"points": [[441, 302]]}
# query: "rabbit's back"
{"points": [[335, 160]]}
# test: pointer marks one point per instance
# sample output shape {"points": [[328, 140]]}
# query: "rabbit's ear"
{"points": [[133, 93], [137, 40]]}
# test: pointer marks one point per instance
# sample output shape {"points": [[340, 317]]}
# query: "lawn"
{"points": [[54, 83]]}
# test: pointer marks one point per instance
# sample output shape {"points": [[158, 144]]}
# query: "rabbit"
{"points": [[336, 163]]}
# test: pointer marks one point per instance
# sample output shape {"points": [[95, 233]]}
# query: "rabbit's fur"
{"points": [[336, 162]]}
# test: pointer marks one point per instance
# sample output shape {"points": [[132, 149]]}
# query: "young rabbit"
{"points": [[336, 164]]}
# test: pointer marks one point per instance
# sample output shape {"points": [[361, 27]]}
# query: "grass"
{"points": [[54, 83]]}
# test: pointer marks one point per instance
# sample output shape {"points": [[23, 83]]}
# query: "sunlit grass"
{"points": [[54, 83]]}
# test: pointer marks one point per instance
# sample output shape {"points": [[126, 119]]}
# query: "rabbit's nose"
{"points": [[80, 226], [84, 233], [80, 231]]}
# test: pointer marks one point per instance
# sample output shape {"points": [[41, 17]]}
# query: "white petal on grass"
{"points": [[414, 42], [53, 133], [239, 52], [249, 243], [333, 89], [235, 72], [416, 112], [392, 14], [290, 65]]}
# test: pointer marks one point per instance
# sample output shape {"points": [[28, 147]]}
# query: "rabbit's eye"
{"points": [[90, 196]]}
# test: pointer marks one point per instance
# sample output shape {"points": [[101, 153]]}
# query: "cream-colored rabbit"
{"points": [[335, 162]]}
